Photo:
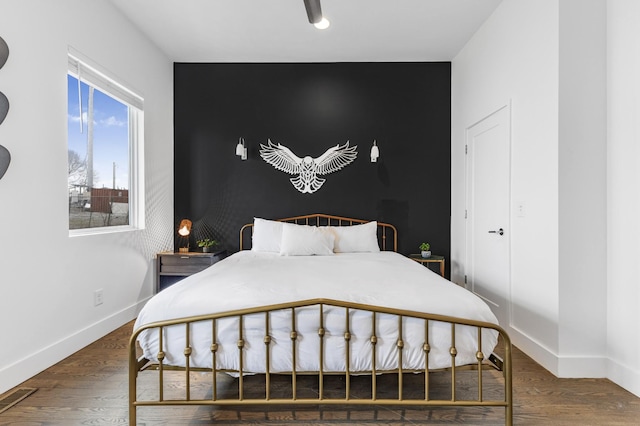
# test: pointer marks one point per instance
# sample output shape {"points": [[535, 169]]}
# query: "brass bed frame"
{"points": [[322, 396]]}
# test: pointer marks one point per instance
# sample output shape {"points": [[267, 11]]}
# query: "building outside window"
{"points": [[104, 151]]}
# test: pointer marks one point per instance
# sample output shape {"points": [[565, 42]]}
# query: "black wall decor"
{"points": [[5, 160], [5, 156], [405, 107], [4, 107], [4, 52]]}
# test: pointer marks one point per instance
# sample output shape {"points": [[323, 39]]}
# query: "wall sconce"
{"points": [[184, 230], [314, 13], [241, 149], [375, 152]]}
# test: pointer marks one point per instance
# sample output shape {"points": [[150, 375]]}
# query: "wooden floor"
{"points": [[90, 388]]}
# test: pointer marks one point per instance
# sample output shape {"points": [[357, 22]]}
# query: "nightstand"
{"points": [[434, 258], [171, 267]]}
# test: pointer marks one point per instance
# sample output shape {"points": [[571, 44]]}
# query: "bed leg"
{"points": [[132, 415], [508, 388], [132, 397], [134, 367]]}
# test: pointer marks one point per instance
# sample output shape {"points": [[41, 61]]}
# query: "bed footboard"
{"points": [[491, 388]]}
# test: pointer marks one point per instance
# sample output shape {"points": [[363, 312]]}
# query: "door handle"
{"points": [[499, 231]]}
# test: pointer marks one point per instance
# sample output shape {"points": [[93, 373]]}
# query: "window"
{"points": [[104, 145]]}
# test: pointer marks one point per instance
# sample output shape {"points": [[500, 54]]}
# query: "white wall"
{"points": [[623, 186], [570, 70], [582, 188], [47, 279], [513, 59]]}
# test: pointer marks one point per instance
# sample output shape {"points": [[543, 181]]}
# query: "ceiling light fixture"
{"points": [[314, 13]]}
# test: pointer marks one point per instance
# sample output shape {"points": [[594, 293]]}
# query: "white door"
{"points": [[488, 201]]}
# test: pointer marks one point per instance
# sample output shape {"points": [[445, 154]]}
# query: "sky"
{"points": [[110, 134]]}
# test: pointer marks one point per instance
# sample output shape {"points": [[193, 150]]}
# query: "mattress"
{"points": [[251, 279]]}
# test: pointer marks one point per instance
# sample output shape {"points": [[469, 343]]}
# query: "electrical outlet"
{"points": [[97, 297]]}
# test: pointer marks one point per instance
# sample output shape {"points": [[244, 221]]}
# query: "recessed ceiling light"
{"points": [[323, 24]]}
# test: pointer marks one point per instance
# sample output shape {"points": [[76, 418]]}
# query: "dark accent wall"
{"points": [[308, 108]]}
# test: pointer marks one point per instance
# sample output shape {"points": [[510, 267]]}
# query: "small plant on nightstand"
{"points": [[206, 244], [425, 250]]}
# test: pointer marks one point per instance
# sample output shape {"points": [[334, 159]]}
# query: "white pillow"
{"points": [[267, 235], [356, 238], [303, 240]]}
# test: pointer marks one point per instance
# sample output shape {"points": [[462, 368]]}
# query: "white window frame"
{"points": [[89, 72]]}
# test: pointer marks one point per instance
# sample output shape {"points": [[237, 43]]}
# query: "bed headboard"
{"points": [[387, 234]]}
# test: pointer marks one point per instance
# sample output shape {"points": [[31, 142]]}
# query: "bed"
{"points": [[316, 296]]}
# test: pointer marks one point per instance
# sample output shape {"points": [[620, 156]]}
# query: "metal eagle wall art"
{"points": [[308, 169]]}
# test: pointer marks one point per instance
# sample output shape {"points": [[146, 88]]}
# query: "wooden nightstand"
{"points": [[171, 267], [434, 258]]}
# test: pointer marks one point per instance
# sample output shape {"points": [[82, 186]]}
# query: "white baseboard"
{"points": [[560, 366], [578, 367], [16, 373], [624, 376], [535, 350]]}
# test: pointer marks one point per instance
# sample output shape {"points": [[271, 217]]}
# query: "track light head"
{"points": [[314, 11]]}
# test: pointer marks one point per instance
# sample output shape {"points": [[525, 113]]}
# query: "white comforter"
{"points": [[251, 279]]}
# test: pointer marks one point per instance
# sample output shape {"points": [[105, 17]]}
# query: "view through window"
{"points": [[101, 134]]}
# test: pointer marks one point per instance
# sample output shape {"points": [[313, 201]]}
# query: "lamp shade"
{"points": [[239, 148], [375, 152], [185, 228]]}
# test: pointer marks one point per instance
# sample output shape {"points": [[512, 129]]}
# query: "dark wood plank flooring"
{"points": [[90, 388]]}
